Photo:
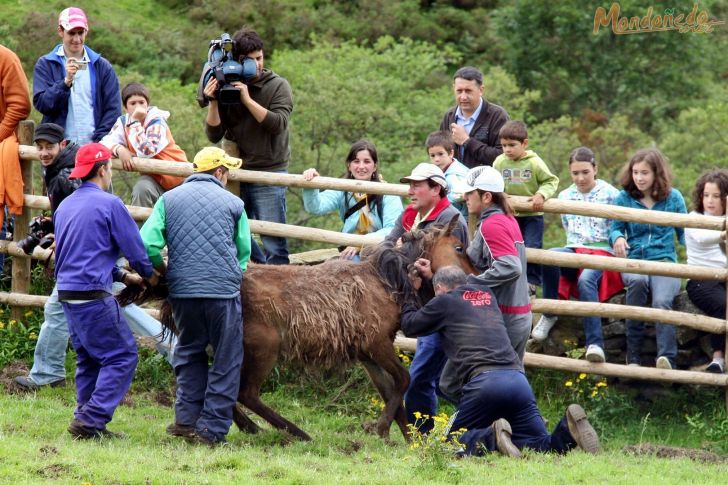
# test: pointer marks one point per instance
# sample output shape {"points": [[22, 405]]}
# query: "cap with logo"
{"points": [[484, 178], [426, 171], [212, 157], [71, 18], [88, 156]]}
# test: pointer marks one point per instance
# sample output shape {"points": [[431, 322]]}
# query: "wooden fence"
{"points": [[21, 262]]}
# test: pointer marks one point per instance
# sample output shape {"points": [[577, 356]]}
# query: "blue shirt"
{"points": [[80, 119], [92, 228], [467, 123]]}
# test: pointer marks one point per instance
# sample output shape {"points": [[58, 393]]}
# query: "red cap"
{"points": [[88, 156]]}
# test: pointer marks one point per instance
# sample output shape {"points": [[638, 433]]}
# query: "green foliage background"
{"points": [[382, 70]]}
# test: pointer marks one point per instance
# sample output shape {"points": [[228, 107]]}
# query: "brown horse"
{"points": [[330, 315]]}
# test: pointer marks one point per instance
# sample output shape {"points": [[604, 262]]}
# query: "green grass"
{"points": [[36, 447]]}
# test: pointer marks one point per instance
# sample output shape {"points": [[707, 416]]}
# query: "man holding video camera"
{"points": [[256, 130], [75, 87]]}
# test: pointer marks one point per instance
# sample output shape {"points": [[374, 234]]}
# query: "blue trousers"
{"points": [[532, 232], [106, 358], [425, 370], [267, 203], [206, 394], [662, 291], [505, 394], [588, 285]]}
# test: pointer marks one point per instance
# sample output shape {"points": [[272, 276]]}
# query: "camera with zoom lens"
{"points": [[222, 66], [38, 230]]}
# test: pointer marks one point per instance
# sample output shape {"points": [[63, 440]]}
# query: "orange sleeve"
{"points": [[14, 95]]}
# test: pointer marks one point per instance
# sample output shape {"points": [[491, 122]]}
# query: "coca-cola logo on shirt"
{"points": [[477, 298]]}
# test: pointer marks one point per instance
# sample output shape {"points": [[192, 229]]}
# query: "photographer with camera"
{"points": [[58, 157], [255, 125], [75, 87]]}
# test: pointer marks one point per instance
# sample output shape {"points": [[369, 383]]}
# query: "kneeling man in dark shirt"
{"points": [[496, 405]]}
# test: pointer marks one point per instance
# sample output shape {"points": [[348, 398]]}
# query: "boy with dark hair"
{"points": [[441, 151], [143, 132], [526, 174]]}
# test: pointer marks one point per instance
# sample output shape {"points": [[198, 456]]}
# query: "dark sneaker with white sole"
{"points": [[502, 431], [581, 430]]}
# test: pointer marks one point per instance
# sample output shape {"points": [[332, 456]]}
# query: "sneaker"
{"points": [[581, 430], [633, 360], [181, 431], [594, 353], [26, 383], [502, 431], [543, 327], [80, 431], [663, 363], [716, 367]]}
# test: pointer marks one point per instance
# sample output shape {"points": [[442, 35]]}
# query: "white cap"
{"points": [[484, 178], [425, 171]]}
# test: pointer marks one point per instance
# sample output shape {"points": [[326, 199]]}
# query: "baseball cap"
{"points": [[49, 132], [425, 171], [88, 156], [484, 178], [73, 17], [212, 157]]}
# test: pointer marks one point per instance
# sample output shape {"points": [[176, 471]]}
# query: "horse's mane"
{"points": [[393, 265]]}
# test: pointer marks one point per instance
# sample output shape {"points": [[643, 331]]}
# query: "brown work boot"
{"points": [[181, 431], [502, 431], [80, 431], [581, 430]]}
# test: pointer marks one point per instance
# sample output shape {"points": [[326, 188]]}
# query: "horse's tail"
{"points": [[165, 318]]}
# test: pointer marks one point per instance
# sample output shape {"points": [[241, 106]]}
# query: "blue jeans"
{"points": [[50, 349], [268, 203], [497, 394], [106, 358], [425, 370], [588, 285], [532, 232], [663, 290], [206, 395]]}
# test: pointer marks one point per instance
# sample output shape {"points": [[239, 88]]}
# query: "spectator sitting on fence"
{"points": [[584, 235], [428, 193], [441, 150], [526, 174], [74, 86], [496, 405], [706, 247], [362, 213], [57, 157], [14, 107], [498, 252], [143, 132], [646, 184]]}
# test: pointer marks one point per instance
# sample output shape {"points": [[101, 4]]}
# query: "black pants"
{"points": [[709, 297]]}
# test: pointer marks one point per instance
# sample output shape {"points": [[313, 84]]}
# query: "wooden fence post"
{"points": [[21, 266]]}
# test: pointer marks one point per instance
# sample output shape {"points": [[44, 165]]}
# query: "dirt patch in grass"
{"points": [[54, 470], [351, 447], [674, 452], [163, 398], [10, 372], [48, 450]]}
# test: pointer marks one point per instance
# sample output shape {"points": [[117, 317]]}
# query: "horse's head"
{"points": [[443, 248]]}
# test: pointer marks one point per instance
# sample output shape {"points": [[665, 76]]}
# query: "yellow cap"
{"points": [[212, 157]]}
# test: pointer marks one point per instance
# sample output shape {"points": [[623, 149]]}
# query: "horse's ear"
{"points": [[454, 222]]}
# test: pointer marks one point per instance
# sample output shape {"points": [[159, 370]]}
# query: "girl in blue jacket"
{"points": [[361, 213], [647, 185]]}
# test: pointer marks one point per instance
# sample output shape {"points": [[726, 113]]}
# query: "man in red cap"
{"points": [[75, 87], [93, 228]]}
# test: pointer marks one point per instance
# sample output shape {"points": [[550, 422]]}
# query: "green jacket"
{"points": [[527, 176], [262, 146]]}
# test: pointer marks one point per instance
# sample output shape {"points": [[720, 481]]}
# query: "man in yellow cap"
{"points": [[206, 232]]}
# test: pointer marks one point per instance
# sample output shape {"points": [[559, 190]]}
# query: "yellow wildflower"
{"points": [[568, 383], [602, 384], [11, 323], [2, 325], [33, 336], [28, 313], [418, 415], [582, 376], [594, 393]]}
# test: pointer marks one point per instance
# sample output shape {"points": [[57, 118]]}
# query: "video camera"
{"points": [[38, 230], [222, 66]]}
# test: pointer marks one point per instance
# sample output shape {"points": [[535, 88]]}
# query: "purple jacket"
{"points": [[93, 228], [51, 95]]}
